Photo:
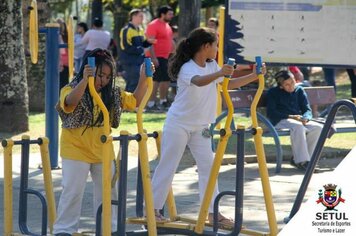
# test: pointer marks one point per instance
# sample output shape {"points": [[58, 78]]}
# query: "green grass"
{"points": [[337, 145]]}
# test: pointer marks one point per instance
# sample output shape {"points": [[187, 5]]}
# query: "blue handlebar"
{"points": [[231, 61], [148, 65], [91, 62], [259, 64]]}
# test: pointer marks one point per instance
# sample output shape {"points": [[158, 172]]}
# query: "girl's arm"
{"points": [[243, 80], [141, 88], [202, 80], [76, 94]]}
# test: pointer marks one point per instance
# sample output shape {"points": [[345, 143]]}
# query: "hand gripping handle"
{"points": [[231, 62], [91, 62]]}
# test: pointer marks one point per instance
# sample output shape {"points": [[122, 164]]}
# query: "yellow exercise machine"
{"points": [[143, 159], [187, 226], [48, 201], [106, 140], [51, 30]]}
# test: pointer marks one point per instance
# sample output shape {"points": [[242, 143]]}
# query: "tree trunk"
{"points": [[13, 86], [36, 72], [189, 16], [120, 19]]}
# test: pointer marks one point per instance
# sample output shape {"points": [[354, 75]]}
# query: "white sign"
{"points": [[316, 32]]}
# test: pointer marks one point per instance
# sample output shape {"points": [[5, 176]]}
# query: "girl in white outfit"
{"points": [[194, 108]]}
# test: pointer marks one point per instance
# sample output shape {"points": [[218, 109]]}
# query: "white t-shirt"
{"points": [[94, 38], [79, 49], [195, 105]]}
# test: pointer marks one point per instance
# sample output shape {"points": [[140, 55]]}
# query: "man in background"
{"points": [[160, 30]]}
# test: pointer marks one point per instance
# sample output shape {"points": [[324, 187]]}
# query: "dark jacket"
{"points": [[280, 104], [132, 44]]}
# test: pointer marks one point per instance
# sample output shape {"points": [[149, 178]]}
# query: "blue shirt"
{"points": [[281, 104]]}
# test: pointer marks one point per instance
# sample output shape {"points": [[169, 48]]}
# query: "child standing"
{"points": [[82, 125], [194, 108]]}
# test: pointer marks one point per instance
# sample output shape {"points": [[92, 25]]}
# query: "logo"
{"points": [[330, 198]]}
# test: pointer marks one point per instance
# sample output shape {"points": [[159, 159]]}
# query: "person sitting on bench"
{"points": [[288, 108]]}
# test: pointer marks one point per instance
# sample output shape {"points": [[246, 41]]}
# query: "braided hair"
{"points": [[102, 56]]}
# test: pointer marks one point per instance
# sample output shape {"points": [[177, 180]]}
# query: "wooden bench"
{"points": [[242, 100]]}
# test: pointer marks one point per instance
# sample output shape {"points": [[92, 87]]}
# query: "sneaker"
{"points": [[153, 109], [301, 166], [163, 107]]}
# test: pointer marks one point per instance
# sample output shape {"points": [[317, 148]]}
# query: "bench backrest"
{"points": [[322, 95]]}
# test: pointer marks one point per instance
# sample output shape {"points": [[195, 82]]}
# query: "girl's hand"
{"points": [[88, 71], [263, 69], [227, 70]]}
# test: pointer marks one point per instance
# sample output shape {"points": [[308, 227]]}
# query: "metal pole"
{"points": [[52, 90]]}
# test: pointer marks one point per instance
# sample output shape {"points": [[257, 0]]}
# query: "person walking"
{"points": [[63, 54], [79, 49], [133, 44], [160, 30], [96, 37]]}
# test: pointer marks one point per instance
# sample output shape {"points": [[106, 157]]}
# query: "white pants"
{"points": [[75, 174], [303, 137], [175, 138]]}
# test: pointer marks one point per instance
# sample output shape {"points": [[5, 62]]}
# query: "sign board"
{"points": [[308, 32]]}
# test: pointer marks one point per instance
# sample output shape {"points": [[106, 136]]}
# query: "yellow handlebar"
{"points": [[256, 99], [101, 105], [106, 161], [261, 87], [230, 107], [33, 32], [70, 46], [143, 104]]}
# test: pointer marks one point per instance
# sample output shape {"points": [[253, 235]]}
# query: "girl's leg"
{"points": [[200, 147], [174, 140], [96, 175], [75, 174]]}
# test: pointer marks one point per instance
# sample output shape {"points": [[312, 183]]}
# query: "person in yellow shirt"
{"points": [[82, 125]]}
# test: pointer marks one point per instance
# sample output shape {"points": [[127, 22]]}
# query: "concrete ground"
{"points": [[284, 187]]}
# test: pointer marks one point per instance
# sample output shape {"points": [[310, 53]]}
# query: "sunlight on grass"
{"points": [[339, 143]]}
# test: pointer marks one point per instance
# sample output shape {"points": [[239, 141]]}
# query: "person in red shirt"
{"points": [[159, 52]]}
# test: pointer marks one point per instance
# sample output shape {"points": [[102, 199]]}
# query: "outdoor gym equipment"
{"points": [[144, 169], [238, 193], [186, 226], [48, 202], [317, 152], [106, 140], [51, 30]]}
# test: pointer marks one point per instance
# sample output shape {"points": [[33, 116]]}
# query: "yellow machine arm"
{"points": [[33, 32], [143, 154], [224, 137], [261, 153], [70, 46], [106, 139]]}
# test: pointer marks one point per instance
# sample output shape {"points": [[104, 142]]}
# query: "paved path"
{"points": [[284, 188]]}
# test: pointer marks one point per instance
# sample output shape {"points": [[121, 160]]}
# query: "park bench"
{"points": [[242, 99]]}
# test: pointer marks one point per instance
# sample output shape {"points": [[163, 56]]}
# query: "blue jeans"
{"points": [[329, 76], [131, 76]]}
